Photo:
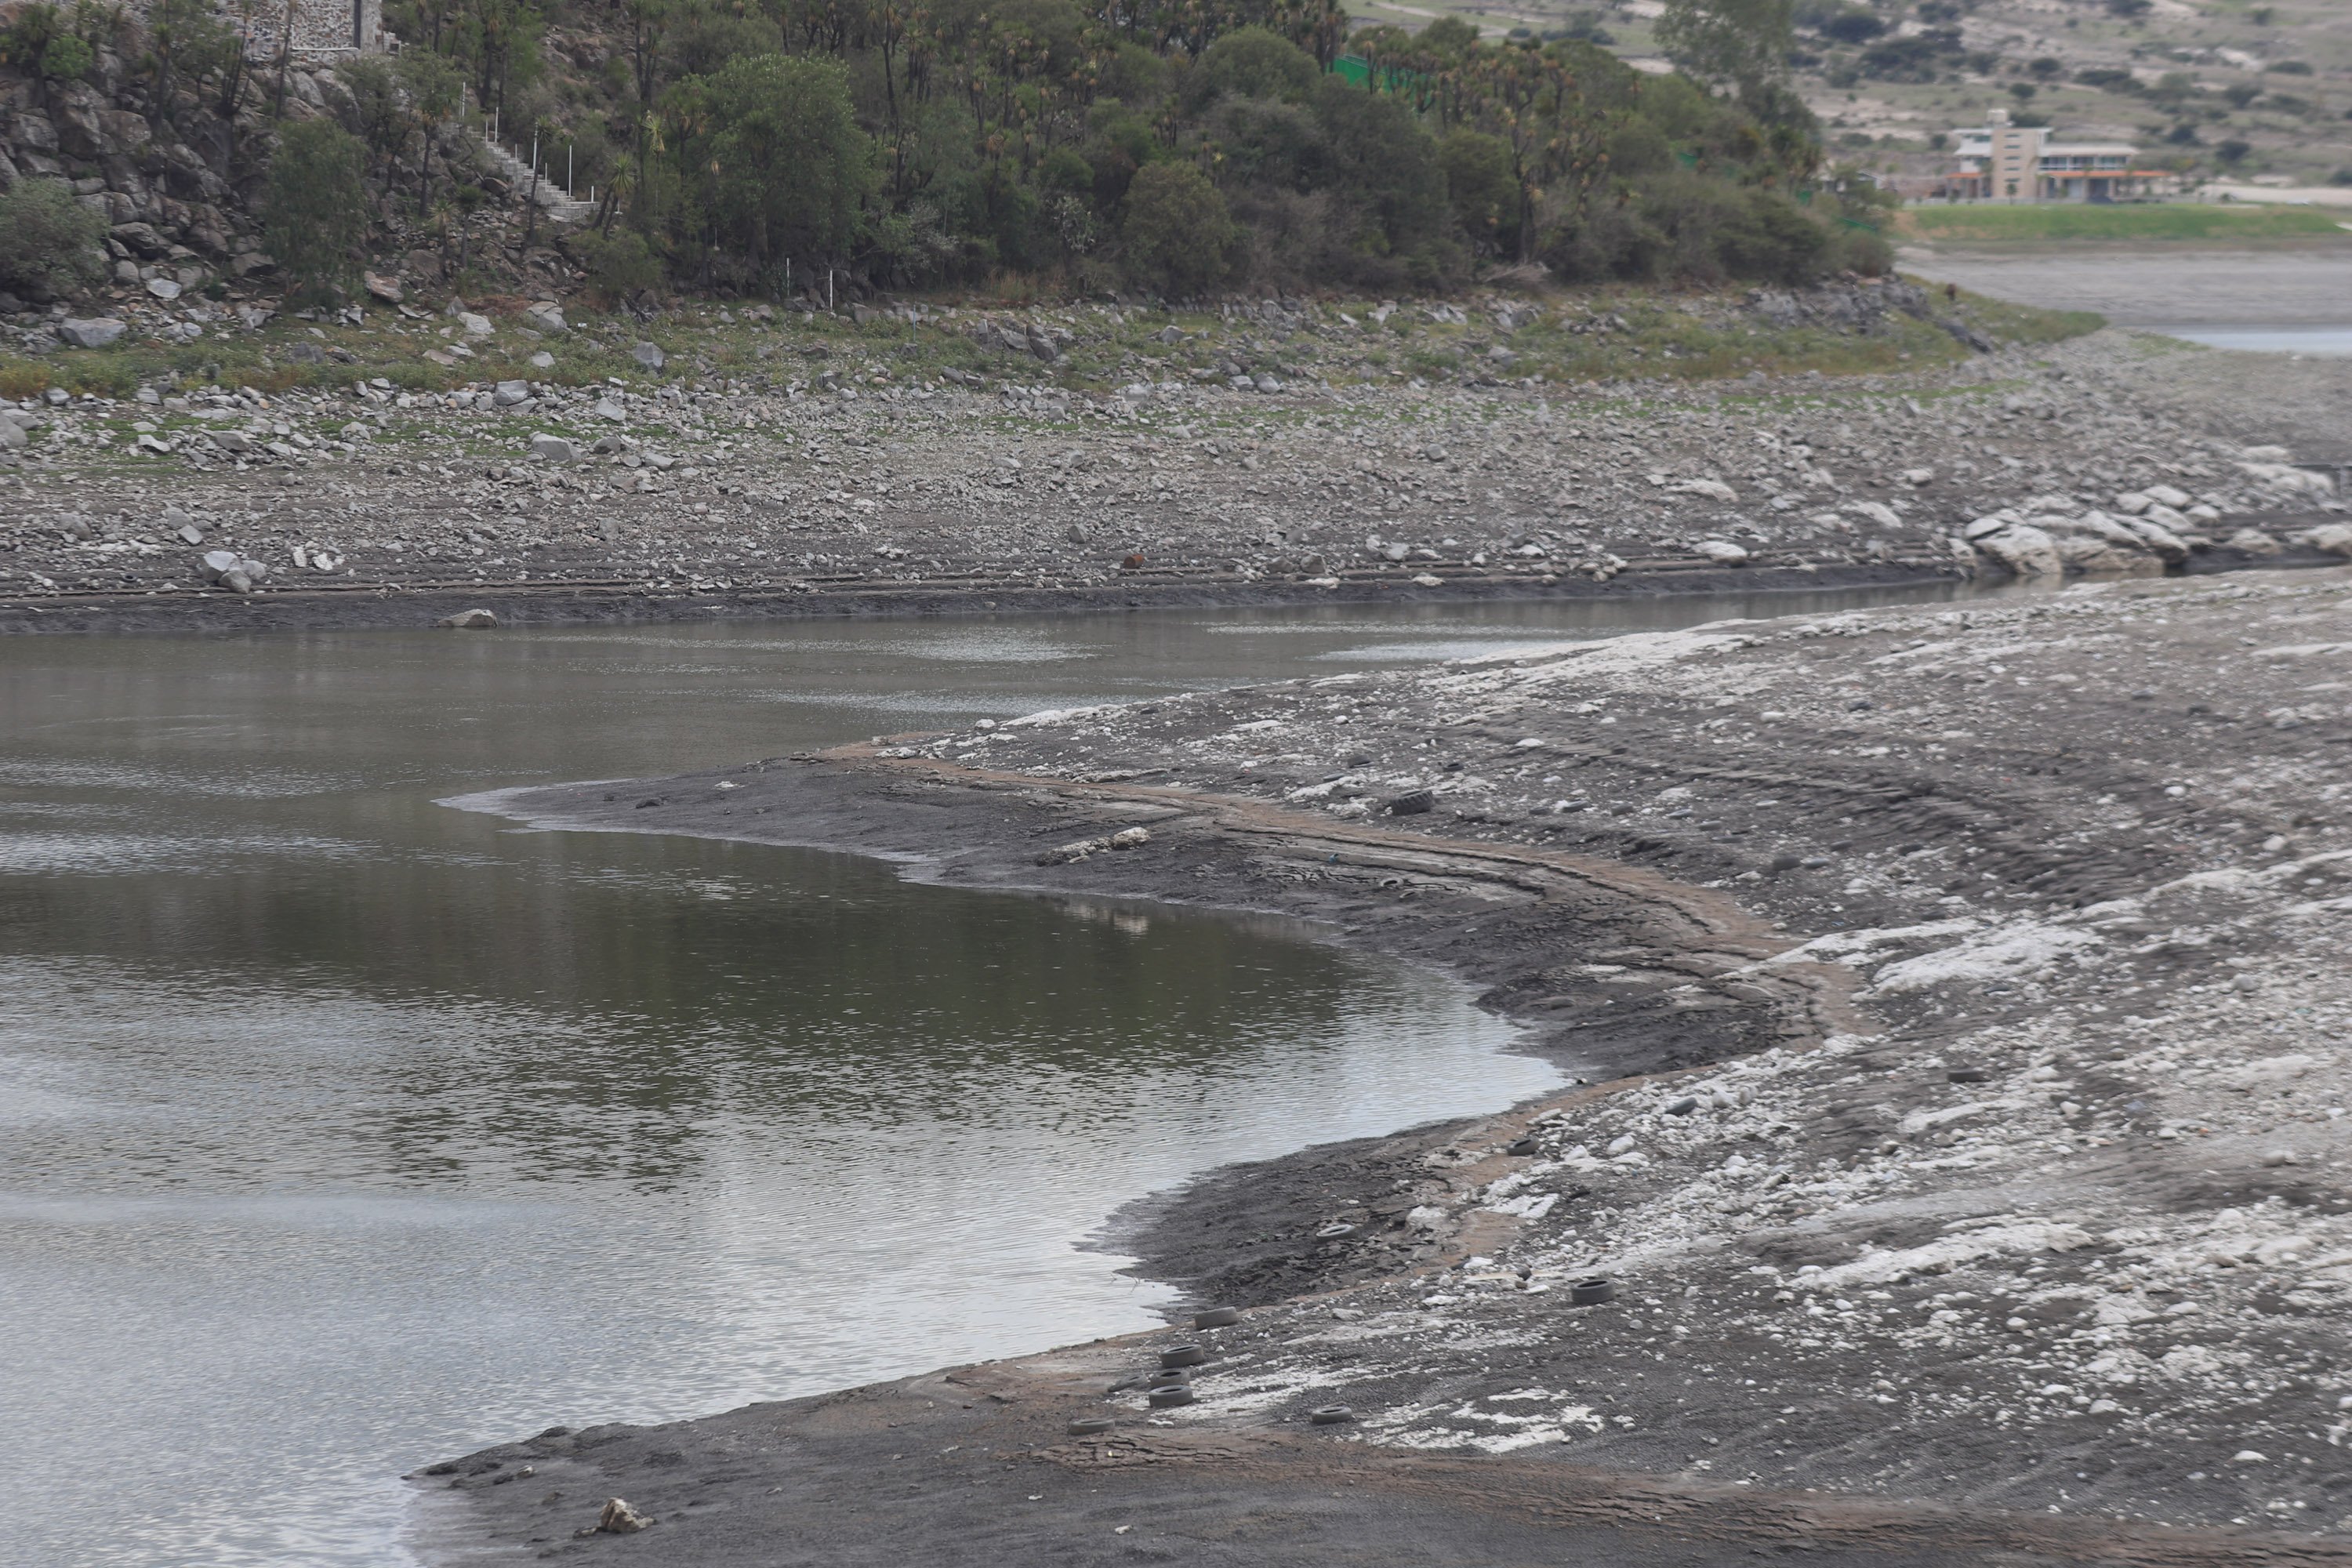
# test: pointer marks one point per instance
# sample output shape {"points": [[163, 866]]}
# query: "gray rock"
{"points": [[476, 326], [553, 449], [510, 392], [649, 355], [607, 409], [2024, 550], [1722, 552], [542, 360], [2254, 541], [192, 533], [163, 288], [2335, 538], [12, 436], [548, 317], [472, 621], [95, 333]]}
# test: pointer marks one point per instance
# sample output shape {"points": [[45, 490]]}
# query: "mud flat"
{"points": [[1960, 1001]]}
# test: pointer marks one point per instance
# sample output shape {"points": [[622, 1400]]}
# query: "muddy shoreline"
{"points": [[1951, 981]]}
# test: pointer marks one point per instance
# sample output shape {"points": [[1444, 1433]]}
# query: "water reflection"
{"points": [[344, 1129]]}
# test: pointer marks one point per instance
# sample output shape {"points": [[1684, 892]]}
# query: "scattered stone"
{"points": [[91, 333], [649, 356], [553, 449], [470, 621], [379, 287], [618, 1518]]}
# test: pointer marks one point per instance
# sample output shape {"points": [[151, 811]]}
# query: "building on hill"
{"points": [[324, 30], [2001, 161]]}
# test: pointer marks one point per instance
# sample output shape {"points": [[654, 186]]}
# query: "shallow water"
{"points": [[2319, 342], [342, 1131]]}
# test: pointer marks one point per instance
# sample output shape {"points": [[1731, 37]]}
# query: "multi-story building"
{"points": [[2001, 161]]}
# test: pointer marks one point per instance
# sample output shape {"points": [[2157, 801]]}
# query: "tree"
{"points": [[1176, 228], [787, 167], [1743, 43], [48, 241], [316, 207], [432, 88]]}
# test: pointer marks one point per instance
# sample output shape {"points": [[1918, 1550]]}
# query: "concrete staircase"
{"points": [[552, 202]]}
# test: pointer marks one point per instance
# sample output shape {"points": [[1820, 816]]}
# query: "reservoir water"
{"points": [[342, 1131]]}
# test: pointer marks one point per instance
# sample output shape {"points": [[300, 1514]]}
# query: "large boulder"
{"points": [[649, 356], [553, 449], [2023, 548], [547, 316], [96, 333], [510, 392], [470, 621], [2335, 538]]}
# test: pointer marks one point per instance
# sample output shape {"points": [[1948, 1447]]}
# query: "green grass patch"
{"points": [[2081, 221]]}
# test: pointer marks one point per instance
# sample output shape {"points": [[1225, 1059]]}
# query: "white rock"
{"points": [[607, 409], [649, 355], [478, 326], [2254, 541], [470, 621], [2133, 502], [543, 360], [1714, 490], [1722, 552], [510, 392], [2167, 545], [1876, 511], [2335, 538], [163, 288], [2028, 551], [2165, 495]]}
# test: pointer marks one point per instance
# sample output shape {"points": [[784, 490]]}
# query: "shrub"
{"points": [[50, 242], [1176, 228], [316, 207], [1251, 62], [619, 266]]}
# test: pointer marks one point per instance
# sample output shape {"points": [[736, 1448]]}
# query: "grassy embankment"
{"points": [[2205, 223], [1688, 337]]}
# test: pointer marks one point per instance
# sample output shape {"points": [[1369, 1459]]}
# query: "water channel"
{"points": [[341, 1130]]}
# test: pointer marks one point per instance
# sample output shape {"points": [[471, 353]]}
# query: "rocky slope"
{"points": [[661, 495]]}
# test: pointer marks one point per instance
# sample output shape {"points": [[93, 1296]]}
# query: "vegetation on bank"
{"points": [[762, 149], [1611, 333], [2230, 221]]}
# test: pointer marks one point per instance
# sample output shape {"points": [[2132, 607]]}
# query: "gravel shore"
{"points": [[1959, 996], [660, 498]]}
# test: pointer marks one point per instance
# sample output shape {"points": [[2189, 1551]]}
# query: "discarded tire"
{"points": [[1592, 1292], [1332, 1414], [1525, 1146], [1334, 1232], [1169, 1377], [1967, 1074], [1217, 1318], [1162, 1398], [1413, 804], [1091, 1426], [1183, 1355]]}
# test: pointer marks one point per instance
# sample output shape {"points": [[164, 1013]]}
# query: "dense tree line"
{"points": [[1181, 146]]}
